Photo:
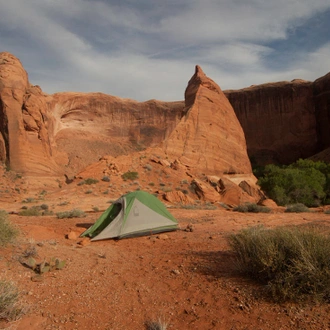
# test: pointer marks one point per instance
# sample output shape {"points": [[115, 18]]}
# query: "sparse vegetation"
{"points": [[327, 211], [156, 325], [10, 308], [106, 178], [148, 167], [89, 191], [30, 212], [88, 181], [293, 262], [251, 207], [7, 231], [297, 208], [75, 213], [44, 266], [28, 200], [130, 175], [35, 211]]}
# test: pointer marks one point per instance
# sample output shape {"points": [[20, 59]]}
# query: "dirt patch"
{"points": [[186, 278]]}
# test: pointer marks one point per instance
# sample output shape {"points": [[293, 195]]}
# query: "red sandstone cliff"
{"points": [[49, 135], [278, 120], [209, 138]]}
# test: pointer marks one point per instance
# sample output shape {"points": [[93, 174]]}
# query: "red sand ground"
{"points": [[188, 279]]}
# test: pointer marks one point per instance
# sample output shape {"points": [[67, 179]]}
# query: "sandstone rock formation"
{"points": [[284, 121], [209, 137], [49, 135], [24, 141]]}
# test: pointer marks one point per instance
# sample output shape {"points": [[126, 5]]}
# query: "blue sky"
{"points": [[148, 49]]}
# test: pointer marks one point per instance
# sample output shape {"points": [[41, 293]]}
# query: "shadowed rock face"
{"points": [[209, 137], [321, 89], [284, 121]]}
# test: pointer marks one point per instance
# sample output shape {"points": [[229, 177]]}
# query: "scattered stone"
{"points": [[163, 236], [37, 278], [175, 272], [84, 242], [189, 228], [72, 235]]}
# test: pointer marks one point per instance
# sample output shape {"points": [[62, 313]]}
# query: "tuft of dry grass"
{"points": [[293, 262], [7, 231], [10, 307], [160, 324]]}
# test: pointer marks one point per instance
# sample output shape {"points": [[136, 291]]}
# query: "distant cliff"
{"points": [[284, 121]]}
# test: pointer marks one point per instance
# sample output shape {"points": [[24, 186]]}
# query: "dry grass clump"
{"points": [[75, 213], [7, 231], [297, 208], [251, 207], [293, 262], [156, 325], [10, 308]]}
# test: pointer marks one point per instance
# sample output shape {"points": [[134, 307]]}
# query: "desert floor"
{"points": [[187, 279]]}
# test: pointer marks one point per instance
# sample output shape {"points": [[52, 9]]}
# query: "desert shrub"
{"points": [[89, 191], [327, 211], [251, 207], [151, 184], [44, 207], [106, 179], [75, 213], [33, 211], [304, 181], [7, 231], [130, 175], [10, 308], [88, 181], [297, 208], [28, 200], [148, 167], [293, 263]]}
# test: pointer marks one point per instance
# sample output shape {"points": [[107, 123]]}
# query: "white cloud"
{"points": [[150, 51]]}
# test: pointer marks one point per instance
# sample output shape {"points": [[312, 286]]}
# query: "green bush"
{"points": [[10, 308], [130, 175], [75, 213], [297, 208], [293, 263], [251, 207], [7, 231], [304, 181]]}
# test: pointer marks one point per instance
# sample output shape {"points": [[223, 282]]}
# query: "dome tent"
{"points": [[134, 214]]}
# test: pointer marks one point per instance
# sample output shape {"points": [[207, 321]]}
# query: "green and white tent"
{"points": [[134, 214]]}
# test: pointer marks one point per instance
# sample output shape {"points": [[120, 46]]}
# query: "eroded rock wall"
{"points": [[278, 119]]}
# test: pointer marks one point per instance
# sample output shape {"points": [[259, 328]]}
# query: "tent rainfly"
{"points": [[134, 214]]}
